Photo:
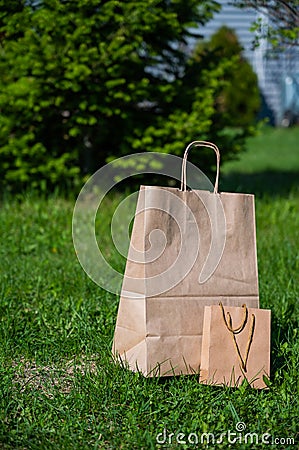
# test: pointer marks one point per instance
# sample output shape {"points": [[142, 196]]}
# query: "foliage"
{"points": [[284, 20], [83, 82], [218, 80], [213, 101], [265, 168], [234, 107]]}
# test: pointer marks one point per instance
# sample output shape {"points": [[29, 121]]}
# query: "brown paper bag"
{"points": [[188, 249], [235, 346]]}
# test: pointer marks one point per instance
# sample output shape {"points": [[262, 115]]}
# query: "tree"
{"points": [[235, 107], [212, 101], [284, 19], [85, 81]]}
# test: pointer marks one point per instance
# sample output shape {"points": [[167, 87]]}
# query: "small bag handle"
{"points": [[184, 163], [233, 332]]}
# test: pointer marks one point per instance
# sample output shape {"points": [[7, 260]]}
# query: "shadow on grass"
{"points": [[271, 183]]}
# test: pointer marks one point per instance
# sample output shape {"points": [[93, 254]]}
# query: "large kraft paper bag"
{"points": [[235, 346], [188, 249]]}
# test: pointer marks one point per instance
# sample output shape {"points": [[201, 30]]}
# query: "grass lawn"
{"points": [[59, 386], [270, 166]]}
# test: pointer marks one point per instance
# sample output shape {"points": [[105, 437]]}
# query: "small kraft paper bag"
{"points": [[235, 346], [188, 249]]}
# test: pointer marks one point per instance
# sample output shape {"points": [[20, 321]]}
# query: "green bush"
{"points": [[239, 101]]}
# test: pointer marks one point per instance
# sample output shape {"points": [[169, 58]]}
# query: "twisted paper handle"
{"points": [[237, 330], [184, 163]]}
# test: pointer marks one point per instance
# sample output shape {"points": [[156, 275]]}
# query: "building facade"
{"points": [[278, 73]]}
